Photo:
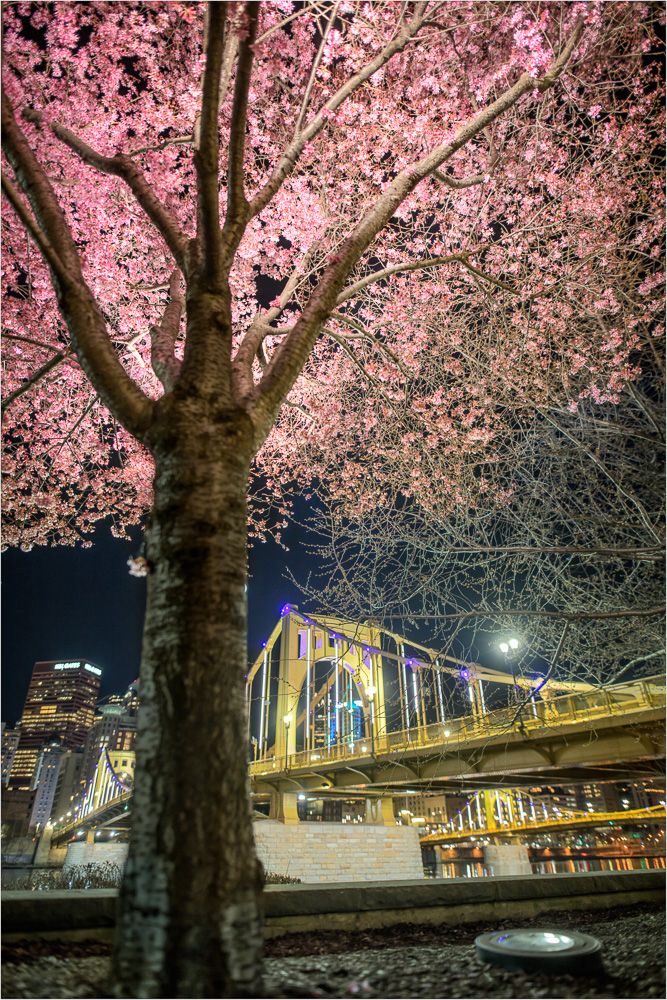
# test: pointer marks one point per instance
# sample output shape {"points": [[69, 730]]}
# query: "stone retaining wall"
{"points": [[18, 850], [339, 852], [313, 852], [98, 854], [91, 913]]}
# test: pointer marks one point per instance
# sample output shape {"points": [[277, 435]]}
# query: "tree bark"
{"points": [[190, 922]]}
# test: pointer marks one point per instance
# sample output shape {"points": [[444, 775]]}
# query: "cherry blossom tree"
{"points": [[386, 170]]}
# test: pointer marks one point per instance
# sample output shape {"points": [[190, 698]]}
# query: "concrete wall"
{"points": [[99, 854], [339, 852], [313, 852], [18, 850], [507, 859], [91, 913]]}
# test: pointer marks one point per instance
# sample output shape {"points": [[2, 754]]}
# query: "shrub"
{"points": [[92, 876], [272, 878]]}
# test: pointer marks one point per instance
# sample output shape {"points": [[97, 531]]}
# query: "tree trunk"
{"points": [[190, 922]]}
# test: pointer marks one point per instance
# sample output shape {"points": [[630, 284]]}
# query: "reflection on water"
{"points": [[557, 867], [475, 869]]}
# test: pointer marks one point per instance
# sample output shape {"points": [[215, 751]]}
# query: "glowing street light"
{"points": [[505, 647]]}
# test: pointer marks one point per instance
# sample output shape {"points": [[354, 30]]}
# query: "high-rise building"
{"points": [[67, 784], [60, 705], [44, 781], [10, 742]]}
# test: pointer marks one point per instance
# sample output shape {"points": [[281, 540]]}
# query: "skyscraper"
{"points": [[10, 742], [60, 704]]}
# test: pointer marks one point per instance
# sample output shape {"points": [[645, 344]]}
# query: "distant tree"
{"points": [[381, 167], [565, 549]]}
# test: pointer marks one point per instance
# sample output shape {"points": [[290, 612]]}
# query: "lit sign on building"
{"points": [[75, 666]]}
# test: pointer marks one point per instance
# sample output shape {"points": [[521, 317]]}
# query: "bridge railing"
{"points": [[68, 829], [527, 715], [558, 819]]}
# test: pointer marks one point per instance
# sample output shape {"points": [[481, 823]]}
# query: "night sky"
{"points": [[72, 603]]}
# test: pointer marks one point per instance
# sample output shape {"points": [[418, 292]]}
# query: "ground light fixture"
{"points": [[541, 950]]}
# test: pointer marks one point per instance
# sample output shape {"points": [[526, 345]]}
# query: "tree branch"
{"points": [[289, 158], [237, 205], [566, 615], [50, 365], [260, 329], [290, 358], [77, 304], [415, 265], [47, 251], [207, 153], [121, 165], [313, 72], [653, 553], [603, 468], [163, 336]]}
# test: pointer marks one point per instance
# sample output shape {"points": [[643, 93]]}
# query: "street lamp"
{"points": [[508, 648], [287, 719], [505, 648]]}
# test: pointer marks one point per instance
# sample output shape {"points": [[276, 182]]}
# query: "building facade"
{"points": [[44, 782], [10, 742], [60, 705], [114, 728]]}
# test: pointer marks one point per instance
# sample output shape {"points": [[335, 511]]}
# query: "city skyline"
{"points": [[75, 603]]}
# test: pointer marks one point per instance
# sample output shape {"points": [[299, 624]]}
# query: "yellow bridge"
{"points": [[498, 815], [322, 691], [320, 707]]}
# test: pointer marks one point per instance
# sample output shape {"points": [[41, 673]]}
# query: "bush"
{"points": [[107, 875], [92, 876], [272, 878]]}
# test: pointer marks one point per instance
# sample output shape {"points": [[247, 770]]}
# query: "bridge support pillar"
{"points": [[380, 812], [44, 846], [284, 807], [507, 859], [90, 836]]}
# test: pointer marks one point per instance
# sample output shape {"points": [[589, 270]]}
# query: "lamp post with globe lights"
{"points": [[509, 647], [287, 719]]}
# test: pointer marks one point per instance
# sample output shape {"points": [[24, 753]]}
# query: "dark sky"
{"points": [[72, 603]]}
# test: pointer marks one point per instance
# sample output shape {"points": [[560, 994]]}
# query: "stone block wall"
{"points": [[313, 852], [98, 854], [339, 852], [507, 859]]}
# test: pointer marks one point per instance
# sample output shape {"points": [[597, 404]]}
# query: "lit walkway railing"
{"points": [[568, 819], [65, 830], [620, 699]]}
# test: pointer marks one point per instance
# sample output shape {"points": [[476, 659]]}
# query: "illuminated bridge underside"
{"points": [[608, 747]]}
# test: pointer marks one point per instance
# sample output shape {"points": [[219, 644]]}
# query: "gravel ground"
{"points": [[407, 961]]}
